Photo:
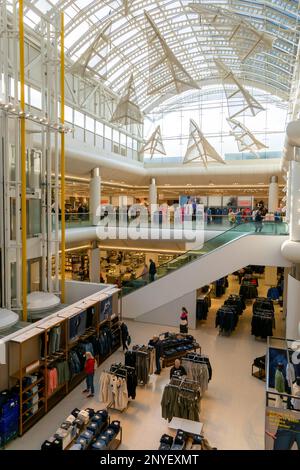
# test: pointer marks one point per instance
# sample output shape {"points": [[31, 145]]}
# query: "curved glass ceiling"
{"points": [[194, 41]]}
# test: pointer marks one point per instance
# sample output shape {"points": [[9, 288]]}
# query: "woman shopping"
{"points": [[89, 369], [184, 321]]}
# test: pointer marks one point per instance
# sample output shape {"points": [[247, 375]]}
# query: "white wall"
{"points": [[76, 290], [293, 309], [248, 249], [169, 314]]}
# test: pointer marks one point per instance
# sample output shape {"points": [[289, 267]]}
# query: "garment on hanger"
{"points": [[181, 399]]}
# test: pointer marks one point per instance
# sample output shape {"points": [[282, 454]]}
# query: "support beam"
{"points": [[23, 161], [62, 160]]}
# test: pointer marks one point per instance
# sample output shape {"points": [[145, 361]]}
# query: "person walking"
{"points": [[157, 344], [124, 336], [145, 273], [258, 221], [184, 320], [152, 270], [89, 369]]}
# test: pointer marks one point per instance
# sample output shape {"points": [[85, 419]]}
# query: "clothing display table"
{"points": [[193, 427], [169, 361]]}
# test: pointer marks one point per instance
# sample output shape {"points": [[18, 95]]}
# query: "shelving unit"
{"points": [[25, 357]]}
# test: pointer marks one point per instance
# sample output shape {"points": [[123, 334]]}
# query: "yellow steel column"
{"points": [[23, 162], [62, 158]]}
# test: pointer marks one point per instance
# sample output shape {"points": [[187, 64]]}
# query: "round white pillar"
{"points": [[273, 194], [95, 195], [152, 192]]}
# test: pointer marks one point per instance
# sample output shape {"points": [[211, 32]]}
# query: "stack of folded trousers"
{"points": [[166, 442]]}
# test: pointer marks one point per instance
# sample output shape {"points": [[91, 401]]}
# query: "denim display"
{"points": [[77, 325], [106, 308], [54, 339], [227, 318]]}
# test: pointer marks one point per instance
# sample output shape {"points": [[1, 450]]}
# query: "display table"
{"points": [[193, 427], [168, 361]]}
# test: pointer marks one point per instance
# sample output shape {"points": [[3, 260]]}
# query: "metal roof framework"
{"points": [[193, 41]]}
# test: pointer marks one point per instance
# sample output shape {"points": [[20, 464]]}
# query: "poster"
{"points": [[276, 356], [77, 325], [245, 201], [282, 429], [193, 200], [106, 308]]}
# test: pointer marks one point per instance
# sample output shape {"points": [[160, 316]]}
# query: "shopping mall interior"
{"points": [[149, 225]]}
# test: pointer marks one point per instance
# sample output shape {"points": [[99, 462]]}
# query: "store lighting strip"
{"points": [[146, 250]]}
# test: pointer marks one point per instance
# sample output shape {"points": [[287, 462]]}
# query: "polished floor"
{"points": [[232, 409]]}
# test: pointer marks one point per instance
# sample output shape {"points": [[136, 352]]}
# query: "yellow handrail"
{"points": [[23, 161], [62, 157]]}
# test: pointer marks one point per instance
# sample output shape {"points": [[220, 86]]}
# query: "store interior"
{"points": [[228, 348]]}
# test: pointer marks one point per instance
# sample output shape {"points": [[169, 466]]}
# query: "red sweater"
{"points": [[89, 366]]}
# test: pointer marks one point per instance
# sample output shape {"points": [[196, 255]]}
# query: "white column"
{"points": [[294, 176], [94, 263], [273, 194], [95, 195], [293, 311], [153, 192], [153, 205]]}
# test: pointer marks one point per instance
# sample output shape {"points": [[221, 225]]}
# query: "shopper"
{"points": [[80, 211], [124, 336], [258, 221], [177, 370], [152, 270], [184, 320], [145, 273], [157, 344], [89, 369]]}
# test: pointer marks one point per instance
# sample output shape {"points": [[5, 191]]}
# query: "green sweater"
{"points": [[279, 381]]}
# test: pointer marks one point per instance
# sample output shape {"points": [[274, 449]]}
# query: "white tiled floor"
{"points": [[232, 409]]}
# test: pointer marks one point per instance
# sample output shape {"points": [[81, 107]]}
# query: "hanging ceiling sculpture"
{"points": [[199, 149], [127, 111], [94, 58], [246, 141], [166, 73], [239, 100], [126, 6], [154, 144], [244, 38]]}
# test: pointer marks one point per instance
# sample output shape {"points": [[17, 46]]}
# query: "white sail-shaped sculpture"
{"points": [[239, 100], [241, 35], [154, 144], [127, 111], [199, 149], [126, 6], [246, 141], [166, 73], [94, 58]]}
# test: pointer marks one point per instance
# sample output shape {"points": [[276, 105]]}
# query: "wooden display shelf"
{"points": [[40, 400], [32, 385], [33, 395]]}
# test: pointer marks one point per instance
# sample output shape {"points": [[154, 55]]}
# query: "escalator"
{"points": [[217, 257]]}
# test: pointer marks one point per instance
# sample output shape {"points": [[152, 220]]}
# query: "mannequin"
{"points": [[279, 384], [296, 393]]}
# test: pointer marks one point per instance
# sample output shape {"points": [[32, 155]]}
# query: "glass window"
{"points": [[99, 128], [134, 144], [69, 114], [35, 98], [122, 139], [89, 124], [116, 136], [129, 142], [107, 131], [78, 119]]}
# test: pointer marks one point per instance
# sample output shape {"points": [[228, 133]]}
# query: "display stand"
{"points": [[192, 427], [24, 353]]}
